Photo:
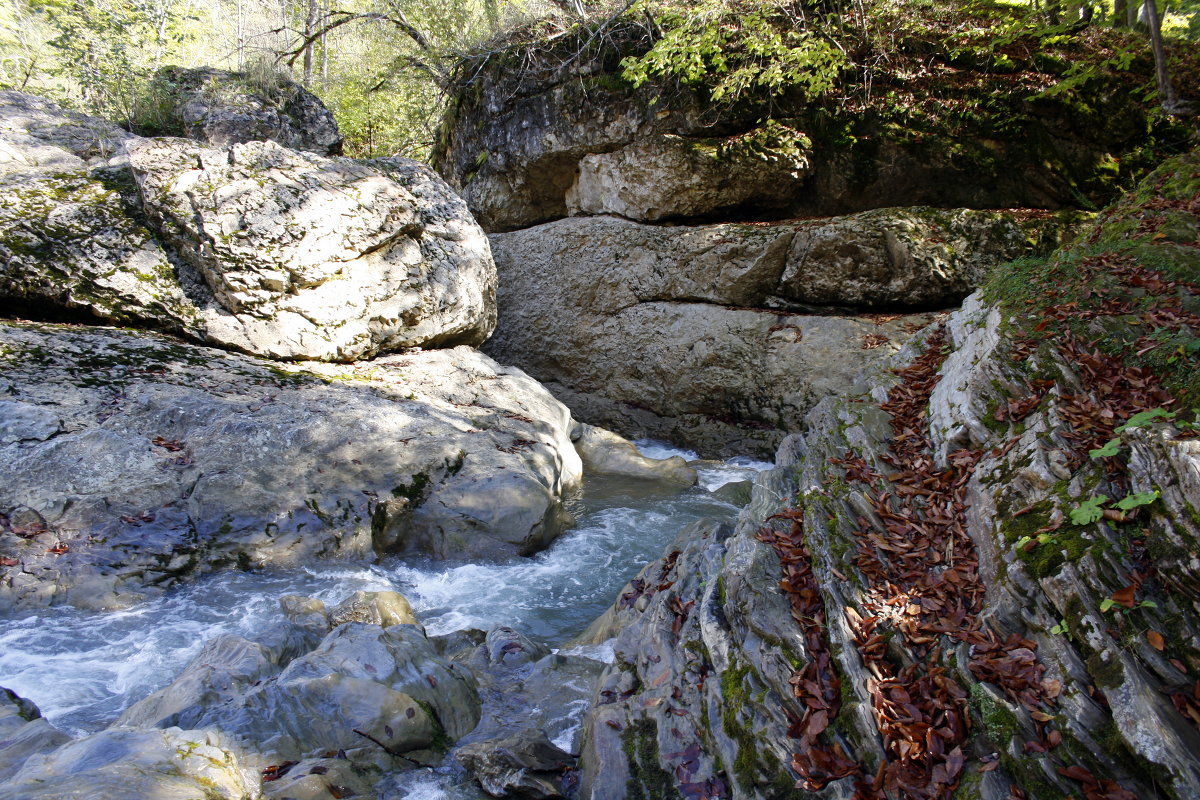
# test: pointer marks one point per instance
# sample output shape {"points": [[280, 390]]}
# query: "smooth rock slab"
{"points": [[38, 136], [370, 692], [170, 460], [24, 732]]}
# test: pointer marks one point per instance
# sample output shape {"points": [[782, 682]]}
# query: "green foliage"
{"points": [[1145, 418], [1130, 502], [1089, 510], [736, 49], [1110, 449]]}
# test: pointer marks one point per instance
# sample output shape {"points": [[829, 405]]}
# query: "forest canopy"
{"points": [[386, 67]]}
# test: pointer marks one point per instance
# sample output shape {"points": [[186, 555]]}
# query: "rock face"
{"points": [[976, 571], [705, 335], [252, 247], [672, 177], [532, 701], [132, 462], [704, 634], [550, 128], [23, 733], [379, 695], [222, 108]]}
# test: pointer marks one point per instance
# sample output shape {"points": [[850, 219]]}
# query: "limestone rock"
{"points": [[170, 764], [375, 694], [553, 128], [606, 452], [285, 254], [319, 779], [672, 177], [374, 608], [221, 108], [320, 258], [224, 669], [533, 701], [707, 335], [169, 460]]}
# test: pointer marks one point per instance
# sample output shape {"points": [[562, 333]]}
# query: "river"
{"points": [[83, 668]]}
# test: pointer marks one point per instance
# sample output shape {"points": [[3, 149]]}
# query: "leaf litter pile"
{"points": [[923, 590]]}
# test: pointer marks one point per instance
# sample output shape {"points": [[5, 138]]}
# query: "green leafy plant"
{"points": [[736, 51], [1107, 604], [1130, 502], [1108, 450], [1145, 418], [1089, 510]]}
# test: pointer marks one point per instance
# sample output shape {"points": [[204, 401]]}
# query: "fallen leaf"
{"points": [[1124, 596], [1156, 640]]}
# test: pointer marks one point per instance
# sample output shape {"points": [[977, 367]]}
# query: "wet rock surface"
{"points": [[704, 634], [133, 462]]}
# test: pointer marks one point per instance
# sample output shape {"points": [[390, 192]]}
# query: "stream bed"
{"points": [[83, 668]]}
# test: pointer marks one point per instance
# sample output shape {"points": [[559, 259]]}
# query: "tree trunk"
{"points": [[1166, 92], [1120, 17], [310, 27]]}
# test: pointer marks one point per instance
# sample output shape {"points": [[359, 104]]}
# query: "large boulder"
{"points": [[253, 247], [221, 108], [321, 258], [132, 462], [721, 337]]}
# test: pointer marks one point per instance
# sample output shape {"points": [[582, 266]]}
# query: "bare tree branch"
{"points": [[343, 17]]}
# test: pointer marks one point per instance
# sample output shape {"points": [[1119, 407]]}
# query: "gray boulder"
{"points": [[525, 764], [255, 248], [374, 608], [320, 258], [224, 669], [221, 108], [132, 462], [38, 136], [167, 764], [319, 779], [672, 177], [533, 704], [382, 696]]}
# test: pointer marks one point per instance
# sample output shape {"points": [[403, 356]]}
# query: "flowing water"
{"points": [[83, 668]]}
